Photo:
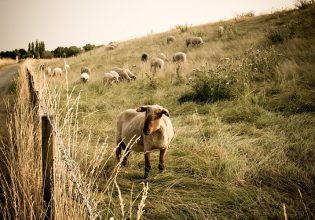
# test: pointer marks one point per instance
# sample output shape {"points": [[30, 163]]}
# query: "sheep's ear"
{"points": [[141, 109], [165, 112]]}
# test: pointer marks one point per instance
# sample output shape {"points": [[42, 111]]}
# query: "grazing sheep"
{"points": [[48, 71], [170, 39], [111, 47], [85, 77], [162, 56], [110, 78], [194, 41], [57, 71], [86, 70], [150, 123], [144, 57], [122, 73], [115, 74], [220, 30], [156, 63], [130, 74], [179, 57]]}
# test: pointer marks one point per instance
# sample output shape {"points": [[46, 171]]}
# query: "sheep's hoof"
{"points": [[161, 168], [146, 175]]}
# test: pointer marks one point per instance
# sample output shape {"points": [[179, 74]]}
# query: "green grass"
{"points": [[239, 156]]}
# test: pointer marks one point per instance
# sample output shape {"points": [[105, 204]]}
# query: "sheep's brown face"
{"points": [[153, 115]]}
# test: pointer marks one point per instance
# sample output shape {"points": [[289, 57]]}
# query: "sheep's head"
{"points": [[153, 115]]}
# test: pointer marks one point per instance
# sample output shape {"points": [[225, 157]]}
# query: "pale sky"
{"points": [[78, 22]]}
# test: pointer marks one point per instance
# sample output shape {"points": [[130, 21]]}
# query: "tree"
{"points": [[88, 47], [23, 53], [59, 52], [72, 51]]}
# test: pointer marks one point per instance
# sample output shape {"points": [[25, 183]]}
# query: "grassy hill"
{"points": [[243, 112]]}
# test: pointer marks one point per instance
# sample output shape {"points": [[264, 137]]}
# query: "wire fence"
{"points": [[52, 141]]}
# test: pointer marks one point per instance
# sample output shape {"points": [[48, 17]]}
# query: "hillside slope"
{"points": [[243, 111]]}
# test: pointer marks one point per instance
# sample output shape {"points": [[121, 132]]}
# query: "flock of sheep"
{"points": [[150, 124], [159, 61]]}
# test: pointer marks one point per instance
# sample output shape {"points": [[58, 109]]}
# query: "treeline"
{"points": [[37, 50]]}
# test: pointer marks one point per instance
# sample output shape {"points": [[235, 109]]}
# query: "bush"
{"points": [[229, 33], [182, 28], [281, 34], [243, 16], [303, 4], [260, 64], [211, 86]]}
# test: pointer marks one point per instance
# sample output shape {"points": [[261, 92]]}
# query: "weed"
{"points": [[182, 28], [303, 4]]}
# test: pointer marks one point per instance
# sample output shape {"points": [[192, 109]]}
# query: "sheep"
{"points": [[162, 56], [48, 71], [130, 74], [179, 57], [56, 71], [156, 63], [85, 70], [110, 78], [194, 41], [122, 73], [220, 30], [115, 74], [152, 125], [85, 77], [170, 39], [144, 57]]}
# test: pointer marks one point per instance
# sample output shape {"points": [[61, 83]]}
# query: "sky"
{"points": [[78, 22]]}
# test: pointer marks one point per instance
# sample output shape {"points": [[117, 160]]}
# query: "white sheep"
{"points": [[110, 78], [48, 71], [179, 57], [170, 39], [57, 71], [150, 123], [194, 41], [122, 73], [162, 56], [156, 63], [85, 77], [115, 74], [220, 30], [130, 74], [86, 70]]}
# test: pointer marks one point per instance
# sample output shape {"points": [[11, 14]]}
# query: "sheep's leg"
{"points": [[121, 145], [147, 164], [161, 160]]}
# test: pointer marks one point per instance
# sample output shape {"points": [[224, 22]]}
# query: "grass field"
{"points": [[5, 62], [243, 112]]}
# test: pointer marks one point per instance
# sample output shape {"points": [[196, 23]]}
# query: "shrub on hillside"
{"points": [[182, 28], [303, 4], [260, 64], [211, 85], [243, 16], [280, 34], [229, 33]]}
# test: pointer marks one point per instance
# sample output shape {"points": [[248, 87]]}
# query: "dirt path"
{"points": [[6, 74], [6, 100]]}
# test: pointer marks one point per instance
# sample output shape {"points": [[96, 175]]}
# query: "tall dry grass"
{"points": [[6, 61], [77, 164]]}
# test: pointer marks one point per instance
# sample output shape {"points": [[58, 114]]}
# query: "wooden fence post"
{"points": [[48, 142]]}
